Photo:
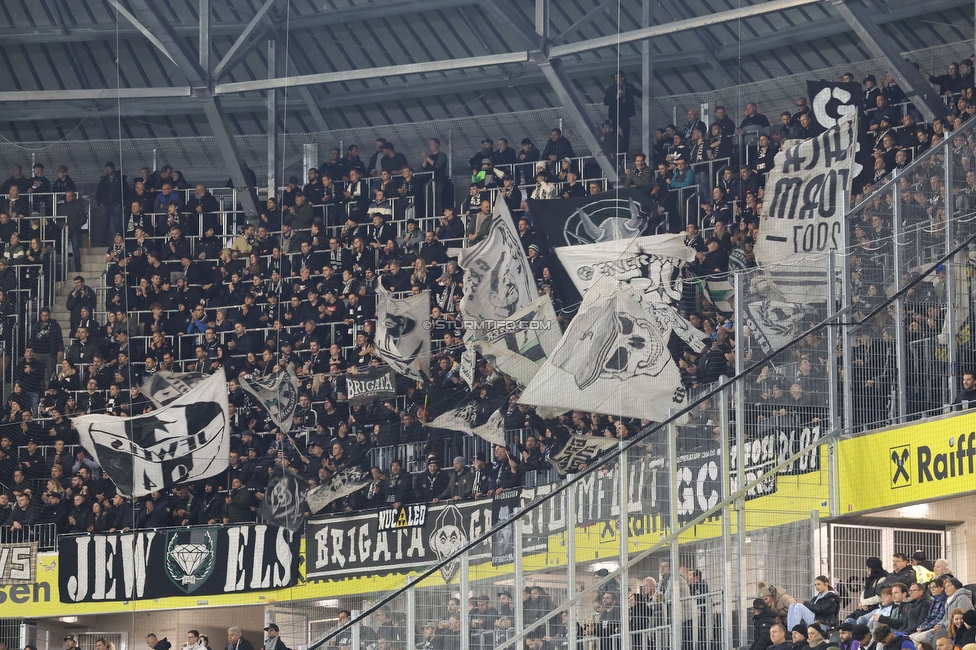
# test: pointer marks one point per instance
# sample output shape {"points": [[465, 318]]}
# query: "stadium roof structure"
{"points": [[207, 67]]}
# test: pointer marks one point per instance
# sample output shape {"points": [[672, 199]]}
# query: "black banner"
{"points": [[622, 214], [340, 547], [832, 100], [202, 560], [370, 383], [504, 506]]}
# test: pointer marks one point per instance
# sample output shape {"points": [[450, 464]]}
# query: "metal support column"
{"points": [[411, 631], [519, 580], [571, 563], [833, 385], [674, 557], [465, 594], [647, 77], [542, 18], [917, 87], [624, 470], [204, 36], [725, 415], [951, 321], [739, 504], [845, 330], [901, 356], [272, 99]]}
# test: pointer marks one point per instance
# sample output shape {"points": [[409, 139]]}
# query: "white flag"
{"points": [[656, 258], [579, 450], [612, 359], [165, 386], [522, 342], [277, 393], [403, 331], [341, 485], [803, 215], [497, 278], [187, 440]]}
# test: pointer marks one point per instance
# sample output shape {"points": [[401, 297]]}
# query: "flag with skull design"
{"points": [[403, 331], [613, 358], [497, 278]]}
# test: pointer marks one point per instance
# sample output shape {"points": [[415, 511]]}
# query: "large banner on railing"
{"points": [[379, 542], [18, 563], [806, 193], [201, 560]]}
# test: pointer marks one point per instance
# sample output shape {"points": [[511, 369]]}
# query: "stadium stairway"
{"points": [[93, 270]]}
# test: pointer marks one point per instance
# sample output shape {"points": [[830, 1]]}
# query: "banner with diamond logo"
{"points": [[204, 560]]}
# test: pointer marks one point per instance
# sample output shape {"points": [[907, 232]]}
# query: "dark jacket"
{"points": [[761, 623], [242, 644], [825, 607], [109, 191]]}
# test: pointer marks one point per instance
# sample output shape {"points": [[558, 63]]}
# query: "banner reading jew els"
{"points": [[202, 560]]}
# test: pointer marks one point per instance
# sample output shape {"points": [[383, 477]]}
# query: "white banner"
{"points": [[165, 386], [403, 331], [497, 278], [339, 486], [803, 215], [522, 342], [612, 359], [656, 257], [277, 393], [187, 440], [579, 450]]}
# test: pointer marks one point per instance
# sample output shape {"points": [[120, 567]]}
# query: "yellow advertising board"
{"points": [[904, 465]]}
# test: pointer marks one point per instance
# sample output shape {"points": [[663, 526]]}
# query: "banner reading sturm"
{"points": [[202, 560]]}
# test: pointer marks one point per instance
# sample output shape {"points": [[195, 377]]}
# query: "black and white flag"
{"points": [[773, 318], [341, 485], [650, 267], [283, 501], [620, 215], [579, 450], [613, 358], [803, 215], [187, 440], [402, 331], [165, 386], [364, 385], [277, 393], [519, 344], [831, 103], [476, 417], [497, 278]]}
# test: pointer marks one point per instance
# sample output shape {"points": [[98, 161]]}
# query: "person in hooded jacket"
{"points": [[822, 608], [904, 572], [871, 595], [763, 619]]}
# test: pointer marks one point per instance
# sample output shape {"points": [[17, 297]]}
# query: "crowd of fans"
{"points": [[919, 604], [190, 289]]}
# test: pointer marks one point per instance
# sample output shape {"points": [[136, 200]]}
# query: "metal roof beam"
{"points": [[371, 73], [238, 50], [554, 72], [100, 31], [907, 75], [582, 22], [142, 29], [831, 26], [152, 17], [519, 25], [717, 18], [84, 94]]}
